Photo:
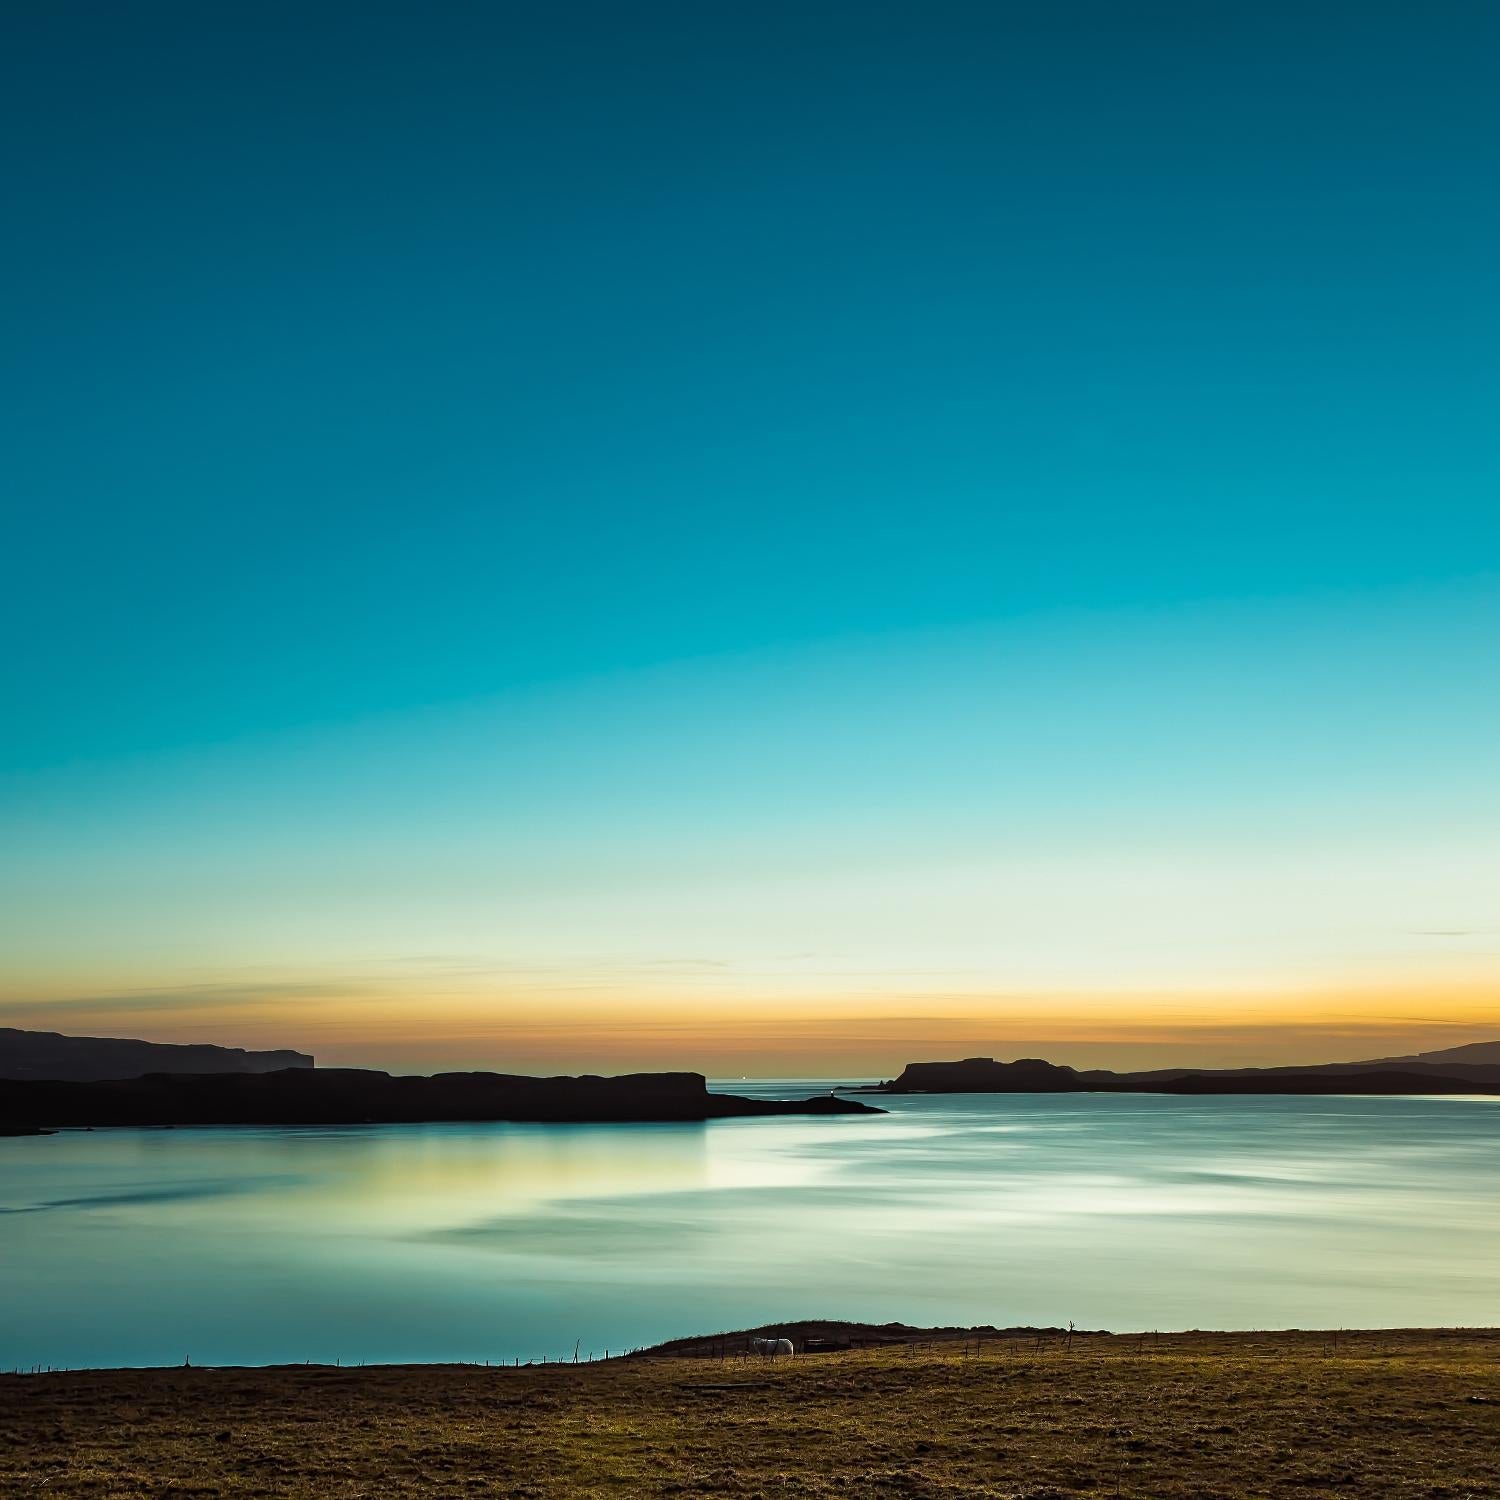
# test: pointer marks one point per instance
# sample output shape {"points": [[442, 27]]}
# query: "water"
{"points": [[448, 1242]]}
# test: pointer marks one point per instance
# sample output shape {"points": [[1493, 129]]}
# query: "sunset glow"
{"points": [[521, 614]]}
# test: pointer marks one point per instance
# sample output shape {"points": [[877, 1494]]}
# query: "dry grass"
{"points": [[1385, 1414]]}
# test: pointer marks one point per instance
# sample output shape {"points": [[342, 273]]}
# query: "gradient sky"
{"points": [[773, 538]]}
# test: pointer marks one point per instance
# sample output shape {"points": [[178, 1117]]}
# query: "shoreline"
{"points": [[830, 1338]]}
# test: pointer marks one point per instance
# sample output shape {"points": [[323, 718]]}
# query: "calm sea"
{"points": [[449, 1242]]}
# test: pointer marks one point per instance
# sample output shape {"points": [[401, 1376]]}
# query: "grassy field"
{"points": [[1388, 1414]]}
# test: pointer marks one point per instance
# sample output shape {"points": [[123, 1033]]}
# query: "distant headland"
{"points": [[353, 1096], [1472, 1069], [88, 1059]]}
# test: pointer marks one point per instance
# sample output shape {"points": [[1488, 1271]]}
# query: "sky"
{"points": [[774, 538]]}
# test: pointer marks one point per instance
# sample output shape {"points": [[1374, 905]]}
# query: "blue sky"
{"points": [[517, 447]]}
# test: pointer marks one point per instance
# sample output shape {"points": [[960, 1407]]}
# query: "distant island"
{"points": [[354, 1096], [88, 1059], [1471, 1069]]}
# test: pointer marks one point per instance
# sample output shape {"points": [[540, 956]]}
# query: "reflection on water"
{"points": [[474, 1242]]}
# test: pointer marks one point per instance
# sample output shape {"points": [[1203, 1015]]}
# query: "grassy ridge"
{"points": [[1388, 1414]]}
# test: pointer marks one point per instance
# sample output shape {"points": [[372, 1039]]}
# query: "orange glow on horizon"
{"points": [[415, 1025]]}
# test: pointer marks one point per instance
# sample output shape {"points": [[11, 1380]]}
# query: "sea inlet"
{"points": [[505, 1242]]}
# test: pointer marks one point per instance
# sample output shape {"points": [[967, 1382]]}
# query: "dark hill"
{"points": [[87, 1059], [1471, 1054], [1316, 1081], [983, 1075], [350, 1096], [1478, 1062]]}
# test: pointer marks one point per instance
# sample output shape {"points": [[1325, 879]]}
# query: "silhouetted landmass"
{"points": [[983, 1075], [840, 1336], [1371, 1081], [350, 1096], [88, 1059], [1471, 1054], [1477, 1062], [1461, 1070]]}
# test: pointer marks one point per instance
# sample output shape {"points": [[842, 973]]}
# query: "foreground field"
{"points": [[1386, 1414]]}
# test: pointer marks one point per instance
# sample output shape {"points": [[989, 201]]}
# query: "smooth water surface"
{"points": [[447, 1242]]}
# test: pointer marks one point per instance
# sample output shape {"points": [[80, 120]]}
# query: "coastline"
{"points": [[827, 1338]]}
